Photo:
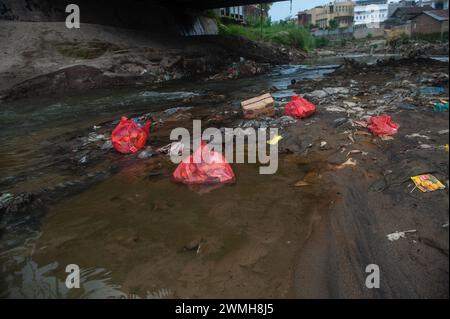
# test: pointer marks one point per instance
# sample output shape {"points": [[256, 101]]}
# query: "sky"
{"points": [[281, 10]]}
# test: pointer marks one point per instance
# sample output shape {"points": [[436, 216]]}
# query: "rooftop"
{"points": [[440, 15]]}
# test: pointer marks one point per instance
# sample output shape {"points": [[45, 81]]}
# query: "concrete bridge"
{"points": [[158, 16]]}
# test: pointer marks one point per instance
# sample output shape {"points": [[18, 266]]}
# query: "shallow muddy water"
{"points": [[137, 234]]}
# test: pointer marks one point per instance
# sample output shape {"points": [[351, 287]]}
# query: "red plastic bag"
{"points": [[382, 125], [299, 107], [130, 136], [212, 169]]}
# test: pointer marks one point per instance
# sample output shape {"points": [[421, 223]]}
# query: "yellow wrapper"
{"points": [[427, 183]]}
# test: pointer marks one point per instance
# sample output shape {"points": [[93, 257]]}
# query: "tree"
{"points": [[334, 24]]}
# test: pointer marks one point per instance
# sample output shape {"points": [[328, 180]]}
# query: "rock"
{"points": [[318, 94], [174, 110], [5, 199], [18, 204], [340, 121], [349, 104], [323, 53], [336, 90], [325, 92], [147, 153]]}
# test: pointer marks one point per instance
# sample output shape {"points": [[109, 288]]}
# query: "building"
{"points": [[430, 22], [339, 10], [241, 14], [392, 6], [435, 4], [309, 17], [371, 13], [404, 14]]}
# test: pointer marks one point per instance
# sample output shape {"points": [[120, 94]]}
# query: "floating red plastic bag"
{"points": [[211, 169], [129, 136], [299, 107], [382, 125]]}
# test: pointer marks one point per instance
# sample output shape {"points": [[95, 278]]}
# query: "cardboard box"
{"points": [[259, 106]]}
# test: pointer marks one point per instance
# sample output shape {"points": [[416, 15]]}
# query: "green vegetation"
{"points": [[88, 50], [333, 24], [433, 37], [283, 33], [322, 42]]}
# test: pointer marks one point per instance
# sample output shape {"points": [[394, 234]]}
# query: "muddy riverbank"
{"points": [[133, 231], [51, 59]]}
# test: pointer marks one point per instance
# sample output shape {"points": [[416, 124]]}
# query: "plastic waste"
{"points": [[299, 107], [382, 125], [130, 135], [432, 90], [211, 169], [440, 107], [399, 234], [427, 183], [275, 139]]}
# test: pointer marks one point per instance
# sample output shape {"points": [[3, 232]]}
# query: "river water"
{"points": [[127, 232]]}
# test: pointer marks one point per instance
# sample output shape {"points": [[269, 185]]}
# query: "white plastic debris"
{"points": [[399, 234], [418, 136], [173, 149], [357, 152]]}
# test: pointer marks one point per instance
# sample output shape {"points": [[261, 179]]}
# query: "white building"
{"points": [[370, 13], [436, 4]]}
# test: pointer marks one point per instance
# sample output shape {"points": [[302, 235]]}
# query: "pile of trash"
{"points": [[241, 69], [267, 122]]}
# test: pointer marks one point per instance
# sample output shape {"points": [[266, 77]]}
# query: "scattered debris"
{"points": [[130, 135], [302, 184], [204, 166], [418, 136], [357, 152], [432, 90], [107, 145], [147, 153], [427, 183], [274, 140], [259, 106], [83, 160], [349, 162], [440, 107], [299, 107], [323, 145], [382, 125], [399, 234], [172, 149]]}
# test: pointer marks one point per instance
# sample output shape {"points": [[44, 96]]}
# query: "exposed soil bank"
{"points": [[376, 197], [47, 58]]}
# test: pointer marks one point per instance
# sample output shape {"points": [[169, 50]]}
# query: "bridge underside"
{"points": [[211, 4]]}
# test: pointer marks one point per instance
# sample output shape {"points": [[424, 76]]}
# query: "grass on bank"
{"points": [[287, 34]]}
